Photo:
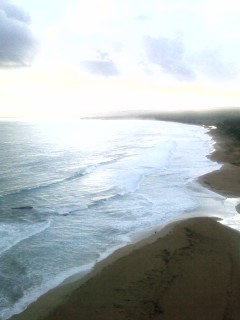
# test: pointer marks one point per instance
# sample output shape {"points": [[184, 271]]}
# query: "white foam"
{"points": [[13, 233], [232, 219], [33, 294], [127, 173]]}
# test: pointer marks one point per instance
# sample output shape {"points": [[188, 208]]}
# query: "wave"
{"points": [[78, 174], [33, 294], [74, 176], [99, 200], [13, 233], [94, 202], [126, 175]]}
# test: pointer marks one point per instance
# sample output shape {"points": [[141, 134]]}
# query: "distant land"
{"points": [[226, 120]]}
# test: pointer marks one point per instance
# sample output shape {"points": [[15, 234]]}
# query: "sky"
{"points": [[75, 58]]}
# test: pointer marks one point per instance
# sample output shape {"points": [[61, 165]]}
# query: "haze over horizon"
{"points": [[76, 58]]}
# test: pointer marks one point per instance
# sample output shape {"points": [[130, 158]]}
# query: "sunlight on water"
{"points": [[76, 134]]}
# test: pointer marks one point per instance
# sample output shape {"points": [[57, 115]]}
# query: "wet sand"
{"points": [[188, 270], [226, 180]]}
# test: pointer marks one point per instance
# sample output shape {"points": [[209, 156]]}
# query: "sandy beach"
{"points": [[189, 270], [226, 180]]}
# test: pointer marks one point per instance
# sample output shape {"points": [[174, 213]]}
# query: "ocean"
{"points": [[72, 192]]}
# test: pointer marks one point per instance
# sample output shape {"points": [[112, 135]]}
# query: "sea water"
{"points": [[72, 192]]}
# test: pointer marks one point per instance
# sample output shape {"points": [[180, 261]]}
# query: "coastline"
{"points": [[226, 180], [163, 276]]}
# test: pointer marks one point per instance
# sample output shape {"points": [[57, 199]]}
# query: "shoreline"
{"points": [[226, 180], [184, 245]]}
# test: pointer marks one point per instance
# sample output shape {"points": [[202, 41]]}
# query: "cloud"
{"points": [[103, 65], [212, 64], [17, 44], [170, 55], [143, 18]]}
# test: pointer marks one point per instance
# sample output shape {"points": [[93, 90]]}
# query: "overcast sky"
{"points": [[76, 57]]}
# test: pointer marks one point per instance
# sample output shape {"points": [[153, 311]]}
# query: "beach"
{"points": [[187, 270]]}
